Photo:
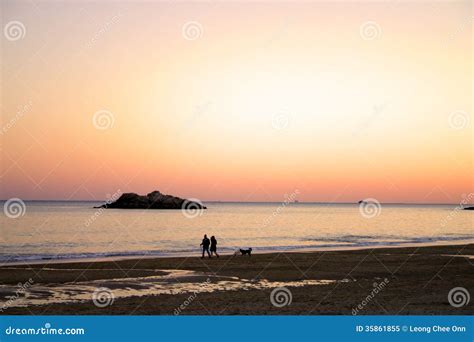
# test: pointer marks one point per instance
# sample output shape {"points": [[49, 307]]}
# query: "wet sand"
{"points": [[409, 280]]}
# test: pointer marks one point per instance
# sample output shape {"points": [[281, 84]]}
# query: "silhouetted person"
{"points": [[205, 246], [214, 245]]}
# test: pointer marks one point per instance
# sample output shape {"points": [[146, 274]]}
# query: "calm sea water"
{"points": [[70, 230]]}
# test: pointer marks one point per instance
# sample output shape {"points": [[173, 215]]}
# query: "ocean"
{"points": [[69, 230]]}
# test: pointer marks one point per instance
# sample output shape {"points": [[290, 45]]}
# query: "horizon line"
{"points": [[256, 202]]}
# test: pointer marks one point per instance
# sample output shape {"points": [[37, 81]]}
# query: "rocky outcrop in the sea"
{"points": [[154, 200], [469, 208]]}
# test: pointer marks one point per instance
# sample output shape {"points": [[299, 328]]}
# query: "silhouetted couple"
{"points": [[205, 246]]}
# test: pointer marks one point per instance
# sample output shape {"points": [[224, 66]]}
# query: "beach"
{"points": [[376, 281]]}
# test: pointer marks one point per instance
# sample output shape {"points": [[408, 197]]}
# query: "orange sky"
{"points": [[238, 101]]}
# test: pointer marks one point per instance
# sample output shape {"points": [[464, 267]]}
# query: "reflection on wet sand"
{"points": [[172, 282]]}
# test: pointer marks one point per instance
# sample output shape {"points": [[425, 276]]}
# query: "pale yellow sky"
{"points": [[238, 100]]}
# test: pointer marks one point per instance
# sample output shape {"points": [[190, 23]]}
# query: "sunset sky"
{"points": [[243, 101]]}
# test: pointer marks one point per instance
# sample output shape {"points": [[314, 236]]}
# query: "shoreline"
{"points": [[255, 251], [416, 280]]}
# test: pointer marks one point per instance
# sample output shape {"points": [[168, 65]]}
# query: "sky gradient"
{"points": [[238, 101]]}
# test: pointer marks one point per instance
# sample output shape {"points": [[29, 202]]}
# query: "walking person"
{"points": [[205, 246], [214, 245]]}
